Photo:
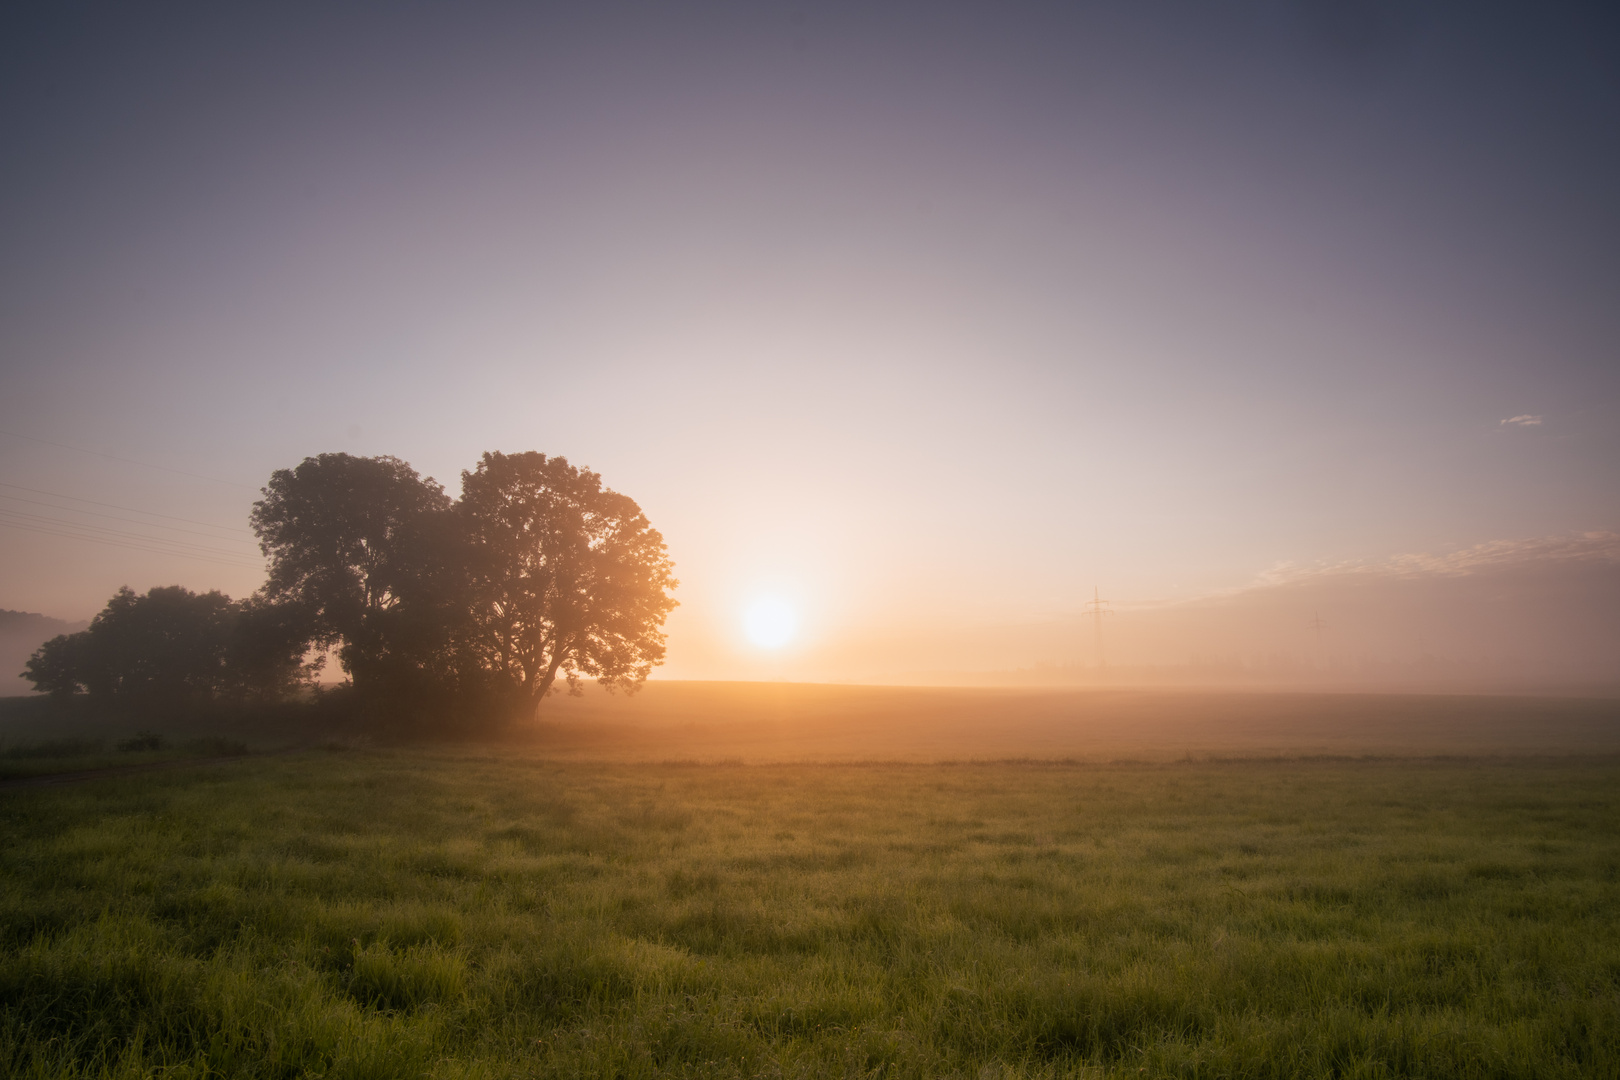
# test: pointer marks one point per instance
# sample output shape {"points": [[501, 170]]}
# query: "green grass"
{"points": [[77, 754], [405, 913]]}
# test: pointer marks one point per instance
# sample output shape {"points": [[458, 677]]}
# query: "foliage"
{"points": [[61, 666], [371, 914], [567, 577], [172, 646], [169, 644], [266, 653], [358, 547], [440, 612], [446, 610]]}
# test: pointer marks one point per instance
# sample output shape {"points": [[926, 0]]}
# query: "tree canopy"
{"points": [[565, 576], [363, 549], [173, 646], [436, 608]]}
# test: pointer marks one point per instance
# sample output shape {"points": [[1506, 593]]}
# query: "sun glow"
{"points": [[770, 623]]}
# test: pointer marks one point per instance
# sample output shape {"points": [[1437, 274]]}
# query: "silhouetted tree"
{"points": [[60, 667], [173, 646], [266, 654], [168, 645], [436, 608], [565, 576], [365, 549]]}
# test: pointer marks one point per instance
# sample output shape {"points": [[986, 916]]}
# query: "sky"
{"points": [[909, 319]]}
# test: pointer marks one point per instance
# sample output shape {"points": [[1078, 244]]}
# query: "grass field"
{"points": [[55, 756], [422, 912], [773, 722], [781, 722]]}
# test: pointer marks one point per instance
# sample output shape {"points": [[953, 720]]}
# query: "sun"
{"points": [[770, 623]]}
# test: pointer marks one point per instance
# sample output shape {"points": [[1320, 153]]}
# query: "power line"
{"points": [[126, 544], [1097, 607], [85, 531], [144, 537], [130, 521], [114, 506], [157, 547], [128, 461]]}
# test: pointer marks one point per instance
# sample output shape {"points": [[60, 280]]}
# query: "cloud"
{"points": [[1495, 555], [1523, 421]]}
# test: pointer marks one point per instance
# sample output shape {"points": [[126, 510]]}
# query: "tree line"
{"points": [[476, 608]]}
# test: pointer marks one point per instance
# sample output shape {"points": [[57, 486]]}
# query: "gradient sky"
{"points": [[909, 314]]}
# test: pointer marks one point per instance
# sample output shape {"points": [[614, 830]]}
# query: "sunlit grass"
{"points": [[408, 913]]}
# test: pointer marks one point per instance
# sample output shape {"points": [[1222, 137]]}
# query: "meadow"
{"points": [[373, 911]]}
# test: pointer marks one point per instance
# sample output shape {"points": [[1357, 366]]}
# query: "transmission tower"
{"points": [[1097, 607], [1316, 626]]}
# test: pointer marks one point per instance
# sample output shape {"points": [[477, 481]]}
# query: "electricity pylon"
{"points": [[1316, 626], [1097, 607]]}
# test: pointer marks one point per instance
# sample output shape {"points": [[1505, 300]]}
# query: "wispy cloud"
{"points": [[1523, 421], [1495, 555]]}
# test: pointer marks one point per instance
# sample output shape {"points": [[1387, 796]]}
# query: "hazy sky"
{"points": [[907, 314]]}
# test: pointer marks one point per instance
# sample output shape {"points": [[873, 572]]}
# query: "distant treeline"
{"points": [[440, 611]]}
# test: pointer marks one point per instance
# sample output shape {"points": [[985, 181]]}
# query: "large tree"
{"points": [[364, 548], [566, 578]]}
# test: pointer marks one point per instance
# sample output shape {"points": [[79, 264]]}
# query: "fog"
{"points": [[921, 321], [1525, 615]]}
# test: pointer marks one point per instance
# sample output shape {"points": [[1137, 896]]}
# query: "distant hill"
{"points": [[21, 632], [1539, 614], [1530, 612]]}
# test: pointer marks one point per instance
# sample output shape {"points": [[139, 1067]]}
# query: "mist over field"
{"points": [[21, 632], [914, 325], [1511, 616], [1497, 616], [1507, 616]]}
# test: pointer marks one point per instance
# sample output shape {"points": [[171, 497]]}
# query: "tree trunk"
{"points": [[538, 693]]}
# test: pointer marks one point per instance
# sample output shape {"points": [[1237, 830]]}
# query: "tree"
{"points": [[565, 577], [364, 549], [168, 645], [266, 653], [436, 608], [173, 646], [60, 667]]}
